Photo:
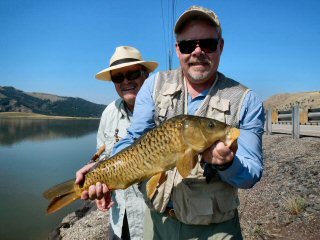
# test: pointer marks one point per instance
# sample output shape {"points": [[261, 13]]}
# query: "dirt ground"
{"points": [[285, 204]]}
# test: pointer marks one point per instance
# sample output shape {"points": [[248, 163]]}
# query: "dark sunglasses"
{"points": [[130, 75], [207, 45]]}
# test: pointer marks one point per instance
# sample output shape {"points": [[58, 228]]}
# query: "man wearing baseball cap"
{"points": [[127, 71], [204, 204]]}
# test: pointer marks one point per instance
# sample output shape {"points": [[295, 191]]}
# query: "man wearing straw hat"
{"points": [[127, 70]]}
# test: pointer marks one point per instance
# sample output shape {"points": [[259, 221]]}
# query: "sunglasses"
{"points": [[208, 45], [130, 75]]}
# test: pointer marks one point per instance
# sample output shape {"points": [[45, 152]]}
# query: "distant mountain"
{"points": [[286, 101], [14, 100]]}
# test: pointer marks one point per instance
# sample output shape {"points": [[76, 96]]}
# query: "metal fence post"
{"points": [[295, 122], [268, 121]]}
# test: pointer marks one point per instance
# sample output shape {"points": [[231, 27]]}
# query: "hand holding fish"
{"points": [[105, 203], [220, 154], [99, 191]]}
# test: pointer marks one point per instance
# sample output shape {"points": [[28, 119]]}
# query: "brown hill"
{"points": [[286, 101]]}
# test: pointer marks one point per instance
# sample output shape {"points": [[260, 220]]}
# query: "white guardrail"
{"points": [[296, 122]]}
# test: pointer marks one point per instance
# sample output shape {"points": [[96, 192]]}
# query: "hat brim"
{"points": [[105, 73]]}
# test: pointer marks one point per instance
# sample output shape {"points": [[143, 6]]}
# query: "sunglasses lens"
{"points": [[187, 47], [133, 75], [118, 78], [130, 75], [206, 45]]}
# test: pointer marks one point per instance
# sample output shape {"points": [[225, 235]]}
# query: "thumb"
{"points": [[234, 146]]}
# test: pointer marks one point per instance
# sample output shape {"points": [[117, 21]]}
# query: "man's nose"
{"points": [[197, 50], [125, 80]]}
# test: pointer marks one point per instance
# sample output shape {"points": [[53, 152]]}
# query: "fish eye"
{"points": [[211, 124]]}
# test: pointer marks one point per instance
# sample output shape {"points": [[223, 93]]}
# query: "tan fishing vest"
{"points": [[194, 200]]}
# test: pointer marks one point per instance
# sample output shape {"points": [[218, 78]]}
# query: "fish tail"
{"points": [[62, 201], [61, 195]]}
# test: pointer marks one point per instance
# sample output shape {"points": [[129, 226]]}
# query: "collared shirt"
{"points": [[247, 165], [114, 123]]}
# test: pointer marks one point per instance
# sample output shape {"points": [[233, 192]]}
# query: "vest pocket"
{"points": [[225, 202], [196, 202], [218, 109]]}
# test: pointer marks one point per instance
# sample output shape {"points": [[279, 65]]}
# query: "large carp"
{"points": [[175, 143]]}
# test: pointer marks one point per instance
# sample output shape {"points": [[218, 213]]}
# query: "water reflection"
{"points": [[17, 130], [57, 149]]}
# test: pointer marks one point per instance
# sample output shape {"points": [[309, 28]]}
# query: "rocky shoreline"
{"points": [[285, 204], [86, 223]]}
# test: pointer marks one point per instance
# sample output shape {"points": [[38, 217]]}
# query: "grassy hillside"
{"points": [[14, 100]]}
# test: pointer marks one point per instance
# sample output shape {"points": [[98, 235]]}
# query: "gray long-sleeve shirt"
{"points": [[115, 120]]}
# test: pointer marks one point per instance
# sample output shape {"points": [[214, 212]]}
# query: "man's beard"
{"points": [[201, 75]]}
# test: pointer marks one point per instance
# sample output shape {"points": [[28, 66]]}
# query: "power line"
{"points": [[164, 28], [168, 32]]}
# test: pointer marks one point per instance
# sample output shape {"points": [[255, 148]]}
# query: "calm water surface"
{"points": [[34, 155]]}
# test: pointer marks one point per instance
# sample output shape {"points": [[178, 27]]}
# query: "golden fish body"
{"points": [[175, 143]]}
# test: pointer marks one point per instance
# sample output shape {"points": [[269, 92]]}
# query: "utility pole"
{"points": [[170, 59]]}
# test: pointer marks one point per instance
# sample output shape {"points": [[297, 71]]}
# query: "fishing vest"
{"points": [[194, 200]]}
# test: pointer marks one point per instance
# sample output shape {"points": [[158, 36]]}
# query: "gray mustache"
{"points": [[201, 60]]}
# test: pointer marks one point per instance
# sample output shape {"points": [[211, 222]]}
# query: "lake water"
{"points": [[35, 155]]}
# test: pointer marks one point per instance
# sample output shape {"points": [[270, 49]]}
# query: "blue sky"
{"points": [[58, 46]]}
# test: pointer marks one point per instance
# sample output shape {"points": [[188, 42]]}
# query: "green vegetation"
{"points": [[14, 100], [296, 205], [258, 231]]}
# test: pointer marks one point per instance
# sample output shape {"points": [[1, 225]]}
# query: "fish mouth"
{"points": [[232, 135]]}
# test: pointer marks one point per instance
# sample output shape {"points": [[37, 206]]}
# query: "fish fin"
{"points": [[59, 189], [62, 195], [154, 182], [187, 162], [62, 201]]}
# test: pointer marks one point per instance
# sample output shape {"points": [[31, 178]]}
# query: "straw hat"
{"points": [[125, 56]]}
